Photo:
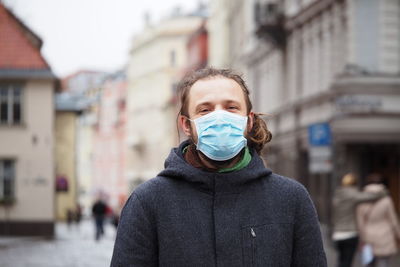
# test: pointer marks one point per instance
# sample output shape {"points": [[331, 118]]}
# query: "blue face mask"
{"points": [[221, 134]]}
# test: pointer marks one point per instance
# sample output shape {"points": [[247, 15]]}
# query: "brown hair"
{"points": [[374, 178], [259, 135]]}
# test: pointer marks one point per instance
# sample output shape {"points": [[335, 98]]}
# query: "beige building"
{"points": [[157, 58], [219, 38], [332, 65], [27, 87]]}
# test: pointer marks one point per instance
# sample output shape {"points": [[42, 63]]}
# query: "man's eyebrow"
{"points": [[203, 104], [233, 101]]}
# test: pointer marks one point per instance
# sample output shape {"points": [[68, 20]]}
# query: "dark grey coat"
{"points": [[189, 217]]}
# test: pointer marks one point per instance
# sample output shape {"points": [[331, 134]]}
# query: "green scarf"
{"points": [[241, 164], [191, 156]]}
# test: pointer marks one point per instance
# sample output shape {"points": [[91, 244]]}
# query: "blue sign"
{"points": [[319, 134]]}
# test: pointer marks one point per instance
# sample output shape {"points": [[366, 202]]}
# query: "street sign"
{"points": [[320, 151], [319, 134], [320, 166], [320, 159]]}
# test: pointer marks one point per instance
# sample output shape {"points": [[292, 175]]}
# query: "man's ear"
{"points": [[250, 121], [184, 123]]}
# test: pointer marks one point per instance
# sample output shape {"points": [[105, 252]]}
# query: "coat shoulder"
{"points": [[151, 187], [157, 189], [286, 185]]}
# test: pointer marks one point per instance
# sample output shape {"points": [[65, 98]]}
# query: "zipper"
{"points": [[253, 246], [253, 234]]}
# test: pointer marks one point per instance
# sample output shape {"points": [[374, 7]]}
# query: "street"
{"points": [[76, 247], [72, 247], [331, 253]]}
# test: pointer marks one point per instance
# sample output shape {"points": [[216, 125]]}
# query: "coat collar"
{"points": [[177, 168]]}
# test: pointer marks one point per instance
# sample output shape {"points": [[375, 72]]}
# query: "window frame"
{"points": [[10, 88], [9, 198]]}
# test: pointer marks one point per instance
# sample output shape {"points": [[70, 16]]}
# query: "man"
{"points": [[215, 204], [99, 210]]}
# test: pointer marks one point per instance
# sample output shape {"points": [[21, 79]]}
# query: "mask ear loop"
{"points": [[187, 118]]}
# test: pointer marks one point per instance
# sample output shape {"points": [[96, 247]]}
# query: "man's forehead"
{"points": [[216, 80], [216, 87]]}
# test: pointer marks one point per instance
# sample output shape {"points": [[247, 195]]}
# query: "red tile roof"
{"points": [[19, 46]]}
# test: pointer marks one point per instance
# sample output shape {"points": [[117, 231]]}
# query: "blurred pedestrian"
{"points": [[99, 210], [378, 223], [215, 203], [345, 233], [70, 217], [78, 214]]}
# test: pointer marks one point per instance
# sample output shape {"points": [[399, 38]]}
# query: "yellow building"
{"points": [[66, 122]]}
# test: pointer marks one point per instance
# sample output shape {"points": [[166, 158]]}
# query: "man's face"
{"points": [[211, 94]]}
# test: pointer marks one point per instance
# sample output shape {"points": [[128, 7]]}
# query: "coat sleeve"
{"points": [[360, 220], [136, 241], [368, 196], [308, 250], [393, 218]]}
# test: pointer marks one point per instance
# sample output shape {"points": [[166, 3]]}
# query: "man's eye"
{"points": [[233, 107], [204, 110]]}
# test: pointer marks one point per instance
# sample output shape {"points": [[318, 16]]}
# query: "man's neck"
{"points": [[213, 164]]}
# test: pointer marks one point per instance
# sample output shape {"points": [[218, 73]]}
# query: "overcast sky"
{"points": [[90, 34]]}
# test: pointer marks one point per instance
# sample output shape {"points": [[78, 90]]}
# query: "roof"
{"points": [[19, 45], [69, 102]]}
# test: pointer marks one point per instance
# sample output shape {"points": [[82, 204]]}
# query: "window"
{"points": [[7, 179], [61, 183], [10, 104]]}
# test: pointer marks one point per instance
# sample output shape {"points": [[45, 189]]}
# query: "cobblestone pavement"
{"points": [[72, 247]]}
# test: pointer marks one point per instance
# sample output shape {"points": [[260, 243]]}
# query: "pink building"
{"points": [[109, 145]]}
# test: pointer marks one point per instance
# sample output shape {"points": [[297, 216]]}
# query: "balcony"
{"points": [[270, 23]]}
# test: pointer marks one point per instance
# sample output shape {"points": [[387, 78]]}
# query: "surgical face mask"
{"points": [[221, 134]]}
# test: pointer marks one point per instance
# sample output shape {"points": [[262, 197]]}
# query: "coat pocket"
{"points": [[267, 245]]}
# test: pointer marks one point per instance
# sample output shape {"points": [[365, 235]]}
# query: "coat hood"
{"points": [[177, 168]]}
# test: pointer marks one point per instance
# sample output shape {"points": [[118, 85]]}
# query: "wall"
{"points": [[32, 147], [158, 58], [65, 134]]}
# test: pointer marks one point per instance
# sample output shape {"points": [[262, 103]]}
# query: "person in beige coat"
{"points": [[378, 224], [345, 234]]}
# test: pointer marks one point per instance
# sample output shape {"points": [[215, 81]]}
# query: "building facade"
{"points": [[328, 70], [27, 87], [197, 49], [157, 60], [68, 109], [109, 143], [85, 86], [218, 38]]}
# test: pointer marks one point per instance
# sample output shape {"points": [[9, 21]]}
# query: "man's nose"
{"points": [[218, 107]]}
